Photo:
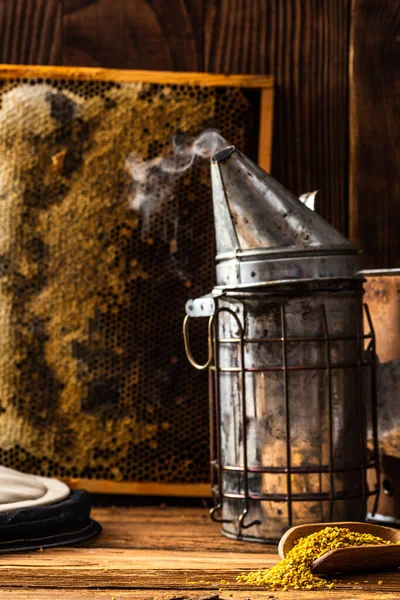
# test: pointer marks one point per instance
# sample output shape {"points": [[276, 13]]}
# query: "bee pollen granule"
{"points": [[294, 571]]}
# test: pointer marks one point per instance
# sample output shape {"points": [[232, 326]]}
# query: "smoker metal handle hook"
{"points": [[187, 345], [214, 516]]}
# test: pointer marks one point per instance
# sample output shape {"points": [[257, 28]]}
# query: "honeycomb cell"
{"points": [[94, 382]]}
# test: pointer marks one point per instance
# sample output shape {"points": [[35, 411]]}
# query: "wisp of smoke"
{"points": [[154, 179]]}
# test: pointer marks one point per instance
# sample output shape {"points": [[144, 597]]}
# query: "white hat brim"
{"points": [[21, 490]]}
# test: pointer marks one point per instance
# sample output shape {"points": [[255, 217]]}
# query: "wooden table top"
{"points": [[159, 553]]}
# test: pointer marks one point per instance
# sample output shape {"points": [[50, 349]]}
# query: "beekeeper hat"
{"points": [[20, 490]]}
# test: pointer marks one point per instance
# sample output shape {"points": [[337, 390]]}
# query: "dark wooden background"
{"points": [[336, 64]]}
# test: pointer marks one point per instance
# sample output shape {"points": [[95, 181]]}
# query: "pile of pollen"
{"points": [[294, 571]]}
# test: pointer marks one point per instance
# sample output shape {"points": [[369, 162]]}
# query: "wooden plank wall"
{"points": [[375, 130], [304, 43], [335, 67], [31, 31]]}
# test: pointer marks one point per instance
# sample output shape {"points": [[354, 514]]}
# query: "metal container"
{"points": [[382, 292], [290, 380]]}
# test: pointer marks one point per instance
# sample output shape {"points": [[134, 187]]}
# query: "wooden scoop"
{"points": [[352, 559]]}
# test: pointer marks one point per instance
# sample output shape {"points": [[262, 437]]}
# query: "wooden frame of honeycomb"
{"points": [[94, 388]]}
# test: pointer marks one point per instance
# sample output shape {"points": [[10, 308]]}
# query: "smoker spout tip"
{"points": [[222, 154]]}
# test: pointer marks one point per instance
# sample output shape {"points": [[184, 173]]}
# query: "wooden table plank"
{"points": [[152, 570], [102, 567], [171, 528], [183, 594], [156, 553]]}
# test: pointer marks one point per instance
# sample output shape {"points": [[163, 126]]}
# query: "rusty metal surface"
{"points": [[304, 410], [382, 292], [265, 233], [293, 374]]}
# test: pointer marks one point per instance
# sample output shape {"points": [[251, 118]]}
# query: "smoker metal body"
{"points": [[382, 292], [292, 374]]}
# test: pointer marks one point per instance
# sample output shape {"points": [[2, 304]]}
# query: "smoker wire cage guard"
{"points": [[292, 374], [94, 384], [240, 485]]}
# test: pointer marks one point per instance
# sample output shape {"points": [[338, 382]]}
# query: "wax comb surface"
{"points": [[94, 383]]}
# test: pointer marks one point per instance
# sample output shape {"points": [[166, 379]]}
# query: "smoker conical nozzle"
{"points": [[258, 220]]}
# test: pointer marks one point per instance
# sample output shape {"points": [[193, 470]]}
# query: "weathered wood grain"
{"points": [[238, 36], [303, 42], [134, 35], [172, 528], [158, 569], [160, 553], [375, 131], [305, 45], [266, 129], [106, 486], [183, 594], [31, 32], [100, 567], [128, 75]]}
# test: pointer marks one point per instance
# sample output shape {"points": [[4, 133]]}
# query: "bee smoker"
{"points": [[292, 374]]}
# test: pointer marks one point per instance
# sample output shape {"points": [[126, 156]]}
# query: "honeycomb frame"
{"points": [[94, 385]]}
